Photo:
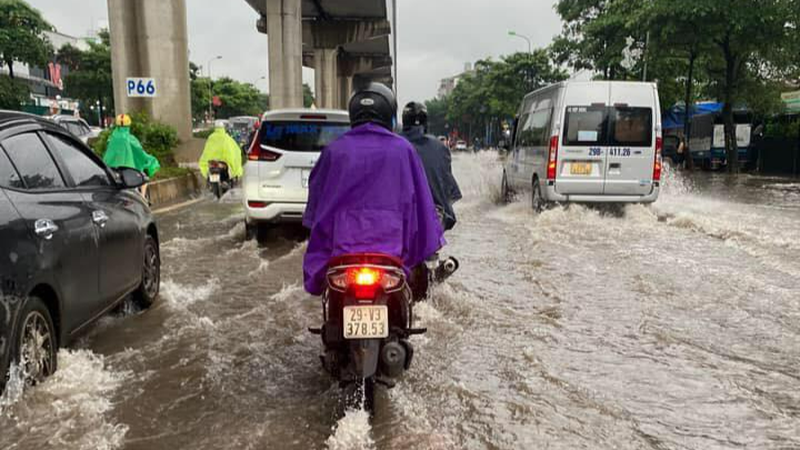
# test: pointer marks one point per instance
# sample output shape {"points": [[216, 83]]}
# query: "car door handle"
{"points": [[45, 228], [99, 218]]}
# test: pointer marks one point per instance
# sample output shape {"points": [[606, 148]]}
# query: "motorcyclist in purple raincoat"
{"points": [[368, 193]]}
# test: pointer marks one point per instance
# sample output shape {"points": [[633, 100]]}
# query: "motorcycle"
{"points": [[218, 178], [367, 323]]}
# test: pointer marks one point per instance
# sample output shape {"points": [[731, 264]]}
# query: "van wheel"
{"points": [[35, 342], [537, 201], [147, 292], [506, 194]]}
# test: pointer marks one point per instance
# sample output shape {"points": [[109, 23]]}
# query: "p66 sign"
{"points": [[141, 87]]}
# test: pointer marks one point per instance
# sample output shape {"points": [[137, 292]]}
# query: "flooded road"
{"points": [[671, 326]]}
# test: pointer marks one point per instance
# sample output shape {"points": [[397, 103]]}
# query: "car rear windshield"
{"points": [[601, 125], [301, 136]]}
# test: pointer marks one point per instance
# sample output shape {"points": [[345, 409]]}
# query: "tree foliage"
{"points": [[737, 51], [89, 79], [492, 92], [22, 35], [12, 93]]}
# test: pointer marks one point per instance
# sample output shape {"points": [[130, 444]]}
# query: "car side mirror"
{"points": [[131, 178]]}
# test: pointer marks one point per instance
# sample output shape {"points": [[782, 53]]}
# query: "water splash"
{"points": [[352, 432]]}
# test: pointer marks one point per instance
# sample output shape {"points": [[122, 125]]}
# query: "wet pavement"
{"points": [[671, 326]]}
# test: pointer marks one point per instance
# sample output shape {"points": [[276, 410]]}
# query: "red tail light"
{"points": [[657, 162], [256, 204], [552, 158], [365, 281], [256, 153]]}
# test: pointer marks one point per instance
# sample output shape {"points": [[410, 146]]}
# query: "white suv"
{"points": [[280, 159]]}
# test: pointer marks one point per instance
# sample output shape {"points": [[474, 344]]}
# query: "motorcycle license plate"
{"points": [[366, 322], [214, 178], [580, 169]]}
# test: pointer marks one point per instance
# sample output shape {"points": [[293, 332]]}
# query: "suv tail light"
{"points": [[257, 153], [657, 161], [552, 158], [365, 281]]}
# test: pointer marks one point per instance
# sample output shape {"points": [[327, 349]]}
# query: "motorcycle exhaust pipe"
{"points": [[450, 265], [393, 359]]}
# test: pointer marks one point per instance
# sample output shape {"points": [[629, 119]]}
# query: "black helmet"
{"points": [[373, 102], [415, 114]]}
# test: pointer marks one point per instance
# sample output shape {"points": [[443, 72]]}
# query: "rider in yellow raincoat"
{"points": [[220, 146]]}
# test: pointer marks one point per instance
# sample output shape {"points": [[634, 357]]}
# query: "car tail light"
{"points": [[257, 204], [552, 158], [365, 281], [657, 162], [258, 153]]}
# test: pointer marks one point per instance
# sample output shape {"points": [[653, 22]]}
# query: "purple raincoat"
{"points": [[368, 193]]}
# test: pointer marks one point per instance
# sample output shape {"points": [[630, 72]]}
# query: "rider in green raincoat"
{"points": [[125, 150], [221, 147]]}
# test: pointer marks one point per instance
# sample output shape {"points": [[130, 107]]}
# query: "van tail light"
{"points": [[552, 158], [657, 162], [365, 281]]}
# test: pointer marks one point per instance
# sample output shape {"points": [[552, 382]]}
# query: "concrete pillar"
{"points": [[285, 34], [165, 42], [345, 91], [149, 38], [124, 52], [325, 71]]}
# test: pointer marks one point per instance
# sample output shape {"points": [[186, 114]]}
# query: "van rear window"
{"points": [[632, 126], [301, 136], [601, 125], [585, 125]]}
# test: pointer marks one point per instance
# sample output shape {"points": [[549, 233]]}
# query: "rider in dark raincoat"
{"points": [[436, 160], [368, 193]]}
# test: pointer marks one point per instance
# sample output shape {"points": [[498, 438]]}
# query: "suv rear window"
{"points": [[301, 136], [601, 125]]}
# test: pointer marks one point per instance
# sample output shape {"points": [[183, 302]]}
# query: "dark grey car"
{"points": [[75, 240]]}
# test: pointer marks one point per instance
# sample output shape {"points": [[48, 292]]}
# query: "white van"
{"points": [[587, 141]]}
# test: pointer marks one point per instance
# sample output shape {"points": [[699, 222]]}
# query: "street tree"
{"points": [[493, 91], [750, 38], [437, 116], [22, 36], [236, 98], [89, 79], [596, 34]]}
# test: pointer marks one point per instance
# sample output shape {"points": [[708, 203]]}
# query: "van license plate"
{"points": [[580, 169], [366, 322], [304, 174], [213, 178]]}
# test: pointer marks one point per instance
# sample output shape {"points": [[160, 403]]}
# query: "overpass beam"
{"points": [[285, 34]]}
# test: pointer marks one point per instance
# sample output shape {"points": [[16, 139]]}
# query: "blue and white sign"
{"points": [[142, 87]]}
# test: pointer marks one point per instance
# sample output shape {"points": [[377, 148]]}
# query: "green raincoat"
{"points": [[221, 147], [124, 150]]}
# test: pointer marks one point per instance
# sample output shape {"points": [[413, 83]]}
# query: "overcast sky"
{"points": [[436, 37]]}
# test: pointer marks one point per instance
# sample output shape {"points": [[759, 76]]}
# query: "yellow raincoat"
{"points": [[221, 147]]}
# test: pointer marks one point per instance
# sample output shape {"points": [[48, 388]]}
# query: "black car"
{"points": [[75, 240]]}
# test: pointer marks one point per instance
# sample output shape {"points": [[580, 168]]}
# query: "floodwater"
{"points": [[671, 326]]}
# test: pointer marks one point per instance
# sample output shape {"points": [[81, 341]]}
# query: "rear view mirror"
{"points": [[131, 178]]}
